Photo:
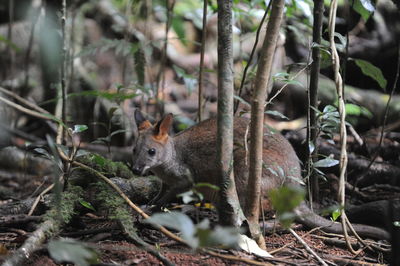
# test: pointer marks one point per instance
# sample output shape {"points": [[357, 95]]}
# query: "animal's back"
{"points": [[198, 146]]}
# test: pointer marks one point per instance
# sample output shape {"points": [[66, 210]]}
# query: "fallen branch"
{"points": [[8, 220], [36, 202], [307, 247], [34, 242]]}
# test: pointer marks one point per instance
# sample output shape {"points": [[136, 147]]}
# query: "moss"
{"points": [[69, 198], [115, 205], [106, 166]]}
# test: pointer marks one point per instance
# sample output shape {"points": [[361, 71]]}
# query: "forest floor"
{"points": [[116, 249]]}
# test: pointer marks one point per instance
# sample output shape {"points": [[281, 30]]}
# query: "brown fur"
{"points": [[145, 125], [191, 157], [278, 156]]}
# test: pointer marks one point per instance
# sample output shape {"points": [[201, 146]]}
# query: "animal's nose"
{"points": [[137, 170]]}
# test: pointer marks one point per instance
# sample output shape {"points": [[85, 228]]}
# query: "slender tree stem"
{"points": [[10, 35], [63, 68], [313, 95], [253, 50], [230, 211], [262, 79], [203, 45]]}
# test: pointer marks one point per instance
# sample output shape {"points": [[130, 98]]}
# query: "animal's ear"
{"points": [[141, 122], [162, 127]]}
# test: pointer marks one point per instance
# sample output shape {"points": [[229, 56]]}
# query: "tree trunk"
{"points": [[313, 91], [257, 119], [230, 212]]}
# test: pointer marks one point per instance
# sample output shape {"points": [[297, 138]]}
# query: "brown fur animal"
{"points": [[190, 157]]}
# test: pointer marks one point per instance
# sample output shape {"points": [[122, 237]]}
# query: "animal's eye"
{"points": [[152, 151]]}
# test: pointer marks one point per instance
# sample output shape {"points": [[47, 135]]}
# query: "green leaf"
{"points": [[336, 214], [43, 152], [79, 128], [190, 196], [111, 111], [80, 153], [197, 185], [68, 250], [281, 76], [311, 147], [87, 205], [277, 114], [284, 200], [98, 159], [177, 221], [364, 8], [326, 60], [353, 109], [226, 236], [55, 119], [371, 71], [119, 131], [189, 80], [327, 162], [178, 26], [199, 235], [9, 43], [329, 109], [240, 99], [112, 96]]}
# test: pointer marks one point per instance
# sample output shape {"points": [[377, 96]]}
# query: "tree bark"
{"points": [[230, 212], [257, 119], [313, 93]]}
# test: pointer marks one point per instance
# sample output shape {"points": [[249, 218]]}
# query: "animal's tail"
{"points": [[308, 218]]}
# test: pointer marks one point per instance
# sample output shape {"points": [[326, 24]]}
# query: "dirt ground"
{"points": [[115, 248]]}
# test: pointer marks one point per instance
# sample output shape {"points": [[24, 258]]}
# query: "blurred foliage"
{"points": [[284, 200]]}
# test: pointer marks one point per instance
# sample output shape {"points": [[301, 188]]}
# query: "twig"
{"points": [[145, 246], [288, 244], [26, 110], [234, 258], [334, 240], [307, 247], [344, 261], [253, 50], [286, 84], [32, 243], [356, 136], [30, 44], [7, 220], [123, 195], [9, 34], [202, 49], [24, 101], [128, 14], [161, 76], [36, 202]]}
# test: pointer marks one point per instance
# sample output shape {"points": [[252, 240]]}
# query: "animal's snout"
{"points": [[137, 170]]}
